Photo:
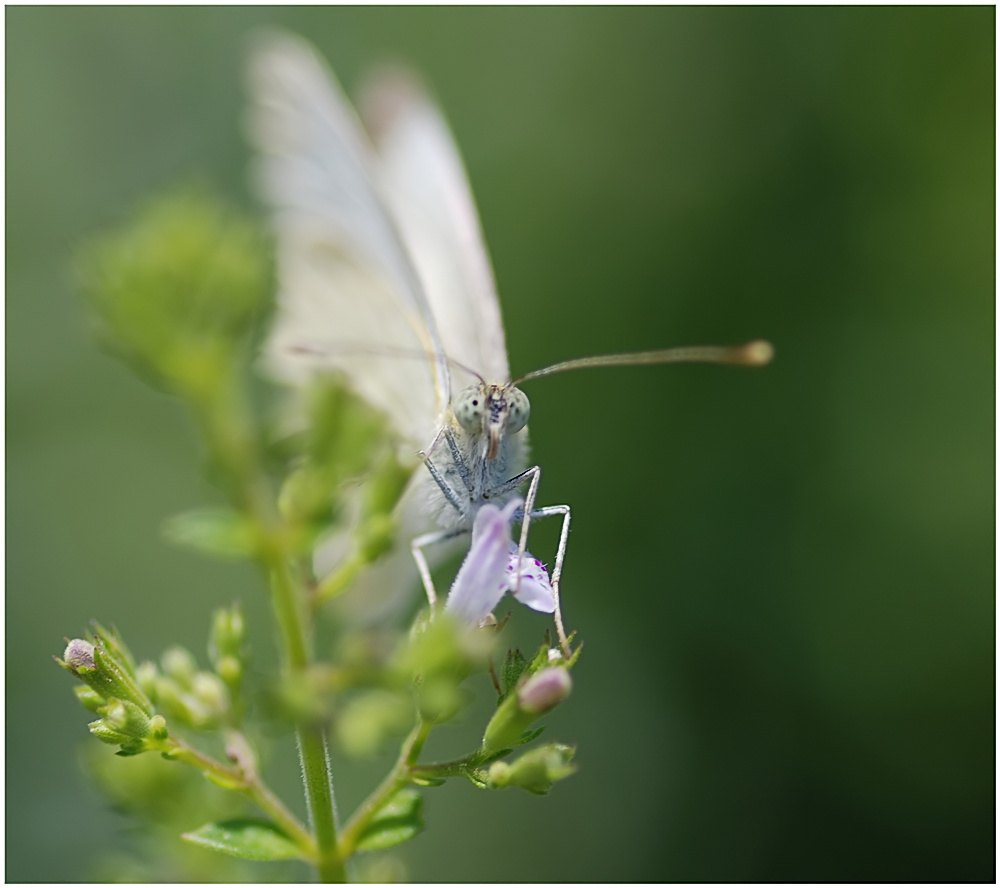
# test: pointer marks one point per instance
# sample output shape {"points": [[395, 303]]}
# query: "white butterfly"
{"points": [[380, 259]]}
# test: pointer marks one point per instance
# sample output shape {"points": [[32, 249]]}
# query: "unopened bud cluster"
{"points": [[112, 691], [127, 697], [536, 770], [226, 647], [191, 697]]}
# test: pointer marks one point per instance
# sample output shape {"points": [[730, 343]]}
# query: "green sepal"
{"points": [[399, 820], [224, 533], [113, 676], [108, 734], [507, 726], [514, 664], [125, 716], [89, 698], [115, 643], [245, 838]]}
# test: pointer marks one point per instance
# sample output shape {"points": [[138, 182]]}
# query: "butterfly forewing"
{"points": [[349, 295], [428, 192]]}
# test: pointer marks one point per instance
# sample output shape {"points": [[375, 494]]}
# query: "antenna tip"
{"points": [[757, 353]]}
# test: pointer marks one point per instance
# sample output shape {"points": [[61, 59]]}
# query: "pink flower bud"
{"points": [[79, 654], [544, 690]]}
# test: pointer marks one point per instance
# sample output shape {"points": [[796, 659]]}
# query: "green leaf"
{"points": [[477, 777], [249, 839], [421, 780], [528, 736], [220, 532], [399, 820]]}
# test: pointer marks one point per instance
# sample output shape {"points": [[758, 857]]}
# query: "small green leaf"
{"points": [[220, 532], [428, 781], [528, 736], [396, 822], [249, 839], [477, 777]]}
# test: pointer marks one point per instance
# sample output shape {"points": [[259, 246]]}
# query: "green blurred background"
{"points": [[784, 577]]}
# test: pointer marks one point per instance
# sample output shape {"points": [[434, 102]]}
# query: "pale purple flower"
{"points": [[490, 570]]}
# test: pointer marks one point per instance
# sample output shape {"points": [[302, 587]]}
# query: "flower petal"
{"points": [[481, 582], [535, 589]]}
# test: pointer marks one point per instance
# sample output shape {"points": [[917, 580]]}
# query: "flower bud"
{"points": [[158, 727], [180, 665], [210, 690], [79, 654], [544, 690], [106, 669], [535, 771], [104, 732], [127, 718], [230, 670], [536, 696], [182, 706], [146, 675], [228, 630]]}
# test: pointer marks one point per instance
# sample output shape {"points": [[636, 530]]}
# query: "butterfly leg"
{"points": [[463, 469], [529, 512], [446, 489], [545, 512], [417, 548], [439, 479]]}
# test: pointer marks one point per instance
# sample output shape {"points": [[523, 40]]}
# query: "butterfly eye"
{"points": [[518, 410], [469, 407]]}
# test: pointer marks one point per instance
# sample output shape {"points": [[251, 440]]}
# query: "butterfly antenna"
{"points": [[751, 354]]}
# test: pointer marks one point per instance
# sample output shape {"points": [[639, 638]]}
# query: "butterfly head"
{"points": [[493, 411]]}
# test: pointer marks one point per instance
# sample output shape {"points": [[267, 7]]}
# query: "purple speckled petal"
{"points": [[536, 590]]}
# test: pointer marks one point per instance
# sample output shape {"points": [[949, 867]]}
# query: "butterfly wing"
{"points": [[348, 295], [429, 196], [342, 216]]}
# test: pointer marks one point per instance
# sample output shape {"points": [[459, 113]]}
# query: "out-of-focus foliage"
{"points": [[162, 795], [785, 578]]}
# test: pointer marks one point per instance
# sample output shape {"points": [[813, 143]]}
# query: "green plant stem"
{"points": [[394, 781], [316, 776], [250, 785], [289, 608], [289, 600]]}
